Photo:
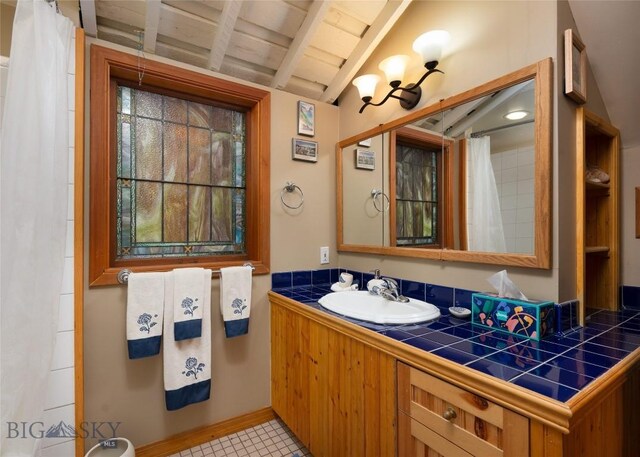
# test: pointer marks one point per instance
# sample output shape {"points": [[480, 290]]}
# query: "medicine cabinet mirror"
{"points": [[466, 179]]}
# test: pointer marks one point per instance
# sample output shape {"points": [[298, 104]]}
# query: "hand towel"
{"points": [[189, 287], [187, 363], [235, 299], [145, 308]]}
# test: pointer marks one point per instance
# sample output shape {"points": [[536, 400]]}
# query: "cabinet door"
{"points": [[477, 426]]}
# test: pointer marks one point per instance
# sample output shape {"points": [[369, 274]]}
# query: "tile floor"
{"points": [[272, 438]]}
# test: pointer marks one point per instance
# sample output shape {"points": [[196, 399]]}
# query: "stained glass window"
{"points": [[180, 177], [416, 195]]}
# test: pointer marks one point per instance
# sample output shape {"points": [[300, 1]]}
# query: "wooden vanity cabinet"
{"points": [[346, 391], [438, 419]]}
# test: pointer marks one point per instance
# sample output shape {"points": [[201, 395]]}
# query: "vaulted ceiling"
{"points": [[309, 48]]}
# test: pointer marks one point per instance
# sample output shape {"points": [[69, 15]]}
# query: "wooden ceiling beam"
{"points": [[221, 40], [303, 37], [151, 23], [89, 21], [372, 37]]}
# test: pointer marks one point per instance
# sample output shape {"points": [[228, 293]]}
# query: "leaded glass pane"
{"points": [[199, 115], [175, 110], [175, 152], [221, 214], [199, 156], [199, 213], [175, 213], [148, 104], [221, 159], [148, 212], [180, 177], [148, 154]]}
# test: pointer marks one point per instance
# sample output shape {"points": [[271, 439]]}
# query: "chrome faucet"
{"points": [[389, 289]]}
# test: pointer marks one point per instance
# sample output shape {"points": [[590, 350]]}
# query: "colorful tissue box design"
{"points": [[530, 319]]}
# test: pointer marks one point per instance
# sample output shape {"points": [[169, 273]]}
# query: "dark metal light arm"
{"points": [[410, 94]]}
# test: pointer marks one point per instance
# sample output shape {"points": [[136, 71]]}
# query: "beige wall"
{"points": [[489, 39], [118, 389], [630, 246], [6, 25]]}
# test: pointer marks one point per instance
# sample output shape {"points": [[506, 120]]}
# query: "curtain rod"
{"points": [[495, 129]]}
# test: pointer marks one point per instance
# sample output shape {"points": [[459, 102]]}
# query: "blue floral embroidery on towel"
{"points": [[189, 305], [193, 367], [238, 305], [144, 320]]}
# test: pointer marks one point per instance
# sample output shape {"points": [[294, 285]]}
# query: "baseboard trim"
{"points": [[197, 436]]}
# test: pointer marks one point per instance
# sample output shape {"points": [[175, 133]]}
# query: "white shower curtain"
{"points": [[485, 229], [33, 197]]}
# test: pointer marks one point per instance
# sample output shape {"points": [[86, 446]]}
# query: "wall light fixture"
{"points": [[429, 46]]}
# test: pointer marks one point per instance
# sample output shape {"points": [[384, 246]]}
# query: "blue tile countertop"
{"points": [[557, 367]]}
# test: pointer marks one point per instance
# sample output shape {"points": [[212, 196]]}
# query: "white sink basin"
{"points": [[373, 308]]}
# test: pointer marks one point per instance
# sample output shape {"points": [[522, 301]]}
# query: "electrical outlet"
{"points": [[324, 255]]}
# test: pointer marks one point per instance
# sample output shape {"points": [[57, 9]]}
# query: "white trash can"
{"points": [[116, 447]]}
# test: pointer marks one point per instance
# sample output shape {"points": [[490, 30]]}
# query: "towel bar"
{"points": [[123, 275], [289, 188]]}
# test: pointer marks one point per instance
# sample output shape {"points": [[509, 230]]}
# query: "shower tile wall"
{"points": [[514, 172], [60, 403]]}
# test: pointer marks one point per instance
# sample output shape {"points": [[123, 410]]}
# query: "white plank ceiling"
{"points": [[312, 48]]}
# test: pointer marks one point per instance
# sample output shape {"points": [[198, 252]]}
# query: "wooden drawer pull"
{"points": [[449, 414]]}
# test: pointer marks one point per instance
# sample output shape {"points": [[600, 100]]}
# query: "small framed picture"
{"points": [[575, 67], [306, 118], [365, 159], [365, 143], [304, 150]]}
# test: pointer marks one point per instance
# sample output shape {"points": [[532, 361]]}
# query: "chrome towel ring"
{"points": [[379, 195], [287, 189]]}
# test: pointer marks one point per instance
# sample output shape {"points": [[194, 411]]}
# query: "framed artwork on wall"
{"points": [[575, 67], [365, 159], [304, 150], [306, 118]]}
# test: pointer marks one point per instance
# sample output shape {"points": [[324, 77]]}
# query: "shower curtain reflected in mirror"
{"points": [[485, 230]]}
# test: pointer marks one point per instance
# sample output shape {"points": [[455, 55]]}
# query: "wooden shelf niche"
{"points": [[597, 219]]}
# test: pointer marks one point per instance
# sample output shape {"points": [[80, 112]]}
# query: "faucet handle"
{"points": [[391, 282], [376, 273]]}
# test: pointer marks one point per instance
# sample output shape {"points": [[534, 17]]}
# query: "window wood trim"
{"points": [[107, 64]]}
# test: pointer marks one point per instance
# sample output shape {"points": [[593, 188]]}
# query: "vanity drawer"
{"points": [[477, 426]]}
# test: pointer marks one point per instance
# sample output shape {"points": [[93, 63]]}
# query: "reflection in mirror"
{"points": [[366, 200], [495, 176], [467, 179]]}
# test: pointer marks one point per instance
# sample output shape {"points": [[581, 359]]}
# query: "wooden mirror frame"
{"points": [[542, 73]]}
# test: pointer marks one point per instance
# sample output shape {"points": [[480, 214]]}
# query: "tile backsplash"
{"points": [[441, 296]]}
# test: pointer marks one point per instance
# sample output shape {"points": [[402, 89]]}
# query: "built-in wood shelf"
{"points": [[596, 249]]}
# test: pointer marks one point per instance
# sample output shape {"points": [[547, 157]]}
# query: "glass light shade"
{"points": [[516, 115], [366, 85], [429, 45], [394, 67]]}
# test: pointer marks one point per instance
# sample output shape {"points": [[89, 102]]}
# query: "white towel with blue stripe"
{"points": [[187, 363], [235, 299], [189, 287], [145, 308]]}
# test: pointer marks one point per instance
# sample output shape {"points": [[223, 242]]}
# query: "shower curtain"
{"points": [[33, 211], [485, 230]]}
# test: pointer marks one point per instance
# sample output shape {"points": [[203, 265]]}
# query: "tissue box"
{"points": [[529, 319]]}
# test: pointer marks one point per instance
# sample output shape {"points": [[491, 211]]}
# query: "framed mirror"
{"points": [[458, 180]]}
